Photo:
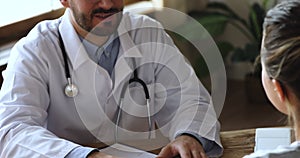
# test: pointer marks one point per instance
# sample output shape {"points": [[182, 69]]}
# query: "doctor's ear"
{"points": [[65, 3], [279, 89]]}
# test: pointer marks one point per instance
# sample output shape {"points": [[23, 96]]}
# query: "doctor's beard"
{"points": [[107, 26]]}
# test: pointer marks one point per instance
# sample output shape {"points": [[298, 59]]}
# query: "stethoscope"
{"points": [[147, 96], [71, 90]]}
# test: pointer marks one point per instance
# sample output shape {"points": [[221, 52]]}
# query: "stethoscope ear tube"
{"points": [[149, 118], [118, 120]]}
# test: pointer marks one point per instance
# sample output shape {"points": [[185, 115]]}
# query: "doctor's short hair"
{"points": [[280, 52]]}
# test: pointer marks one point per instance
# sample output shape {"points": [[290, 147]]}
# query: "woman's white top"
{"points": [[292, 151]]}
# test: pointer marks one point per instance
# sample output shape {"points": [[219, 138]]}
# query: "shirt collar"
{"points": [[95, 51]]}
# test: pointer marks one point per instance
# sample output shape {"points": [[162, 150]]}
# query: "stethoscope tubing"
{"points": [[71, 90], [65, 56], [147, 96]]}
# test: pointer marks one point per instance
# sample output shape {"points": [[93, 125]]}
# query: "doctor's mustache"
{"points": [[112, 10]]}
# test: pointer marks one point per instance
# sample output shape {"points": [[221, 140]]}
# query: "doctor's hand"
{"points": [[183, 146]]}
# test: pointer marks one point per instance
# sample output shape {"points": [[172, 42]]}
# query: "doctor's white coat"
{"points": [[38, 120]]}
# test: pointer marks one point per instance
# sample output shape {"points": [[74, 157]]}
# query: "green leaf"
{"points": [[238, 55], [218, 15], [226, 11], [252, 50], [225, 48], [214, 24], [256, 18], [249, 53], [267, 4], [222, 7], [201, 68]]}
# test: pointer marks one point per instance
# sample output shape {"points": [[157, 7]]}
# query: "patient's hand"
{"points": [[185, 146]]}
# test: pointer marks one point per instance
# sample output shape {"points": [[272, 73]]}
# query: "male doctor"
{"points": [[104, 47]]}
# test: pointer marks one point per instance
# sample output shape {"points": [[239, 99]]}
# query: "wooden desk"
{"points": [[238, 143]]}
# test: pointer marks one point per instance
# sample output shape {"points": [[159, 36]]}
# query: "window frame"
{"points": [[15, 31]]}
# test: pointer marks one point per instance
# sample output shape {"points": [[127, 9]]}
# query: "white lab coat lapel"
{"points": [[74, 48]]}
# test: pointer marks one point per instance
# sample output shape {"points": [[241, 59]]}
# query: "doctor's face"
{"points": [[97, 16]]}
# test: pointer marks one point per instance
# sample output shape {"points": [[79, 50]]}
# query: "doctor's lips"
{"points": [[103, 14]]}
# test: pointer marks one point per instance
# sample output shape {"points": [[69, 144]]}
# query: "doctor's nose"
{"points": [[104, 4]]}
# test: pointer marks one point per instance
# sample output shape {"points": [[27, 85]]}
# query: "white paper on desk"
{"points": [[124, 151], [271, 138]]}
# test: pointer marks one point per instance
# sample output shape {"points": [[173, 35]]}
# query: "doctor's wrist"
{"points": [[205, 143], [191, 135]]}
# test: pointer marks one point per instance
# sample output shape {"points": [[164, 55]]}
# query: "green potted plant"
{"points": [[217, 16]]}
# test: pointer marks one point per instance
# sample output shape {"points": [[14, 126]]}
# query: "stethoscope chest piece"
{"points": [[71, 90]]}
